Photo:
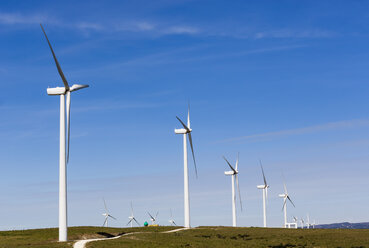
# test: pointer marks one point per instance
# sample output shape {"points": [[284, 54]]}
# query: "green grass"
{"points": [[243, 237], [48, 237], [198, 237]]}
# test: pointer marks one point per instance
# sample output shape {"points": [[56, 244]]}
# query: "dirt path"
{"points": [[82, 243]]}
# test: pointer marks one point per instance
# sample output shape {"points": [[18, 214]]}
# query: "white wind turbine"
{"points": [[132, 218], [264, 187], [107, 215], [234, 174], [295, 221], [171, 220], [153, 220], [302, 223], [63, 152], [285, 197], [186, 130], [308, 221]]}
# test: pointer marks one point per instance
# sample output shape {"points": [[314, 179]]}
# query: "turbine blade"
{"points": [[56, 61], [239, 192], [230, 165], [106, 209], [129, 222], [151, 216], [184, 125], [112, 217], [68, 124], [136, 221], [131, 209], [174, 223], [188, 117], [262, 170], [238, 156], [156, 215], [285, 188], [171, 213], [105, 221], [291, 201], [284, 203], [193, 154]]}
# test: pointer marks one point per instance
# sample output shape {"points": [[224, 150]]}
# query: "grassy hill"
{"points": [[198, 237]]}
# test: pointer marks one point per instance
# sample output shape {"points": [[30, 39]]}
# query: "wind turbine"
{"points": [[132, 218], [153, 220], [186, 130], [234, 173], [285, 197], [302, 223], [171, 221], [64, 93], [295, 221], [313, 224], [264, 187], [308, 221], [107, 215]]}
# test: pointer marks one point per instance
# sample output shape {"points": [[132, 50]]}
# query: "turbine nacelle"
{"points": [[230, 173], [262, 186], [181, 131], [63, 90], [283, 195]]}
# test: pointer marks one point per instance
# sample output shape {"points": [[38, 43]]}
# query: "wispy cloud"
{"points": [[89, 26], [303, 130], [290, 33], [162, 28], [17, 18], [181, 30]]}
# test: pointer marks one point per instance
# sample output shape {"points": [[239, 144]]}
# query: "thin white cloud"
{"points": [[303, 130], [181, 30], [17, 18], [159, 28], [289, 33], [90, 26]]}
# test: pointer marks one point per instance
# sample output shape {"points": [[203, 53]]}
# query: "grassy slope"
{"points": [[47, 238], [243, 237]]}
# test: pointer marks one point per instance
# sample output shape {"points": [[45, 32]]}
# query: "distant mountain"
{"points": [[344, 225]]}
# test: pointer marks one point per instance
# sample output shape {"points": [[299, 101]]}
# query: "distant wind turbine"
{"points": [[132, 218], [107, 215], [171, 220], [295, 221], [234, 173], [285, 197], [308, 221], [186, 130], [264, 187], [302, 223], [63, 152], [153, 220]]}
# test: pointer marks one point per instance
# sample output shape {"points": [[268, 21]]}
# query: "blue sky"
{"points": [[280, 81]]}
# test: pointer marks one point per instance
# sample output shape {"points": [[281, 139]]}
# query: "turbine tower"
{"points": [[132, 218], [234, 173], [107, 215], [264, 187], [285, 197], [186, 130], [64, 93]]}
